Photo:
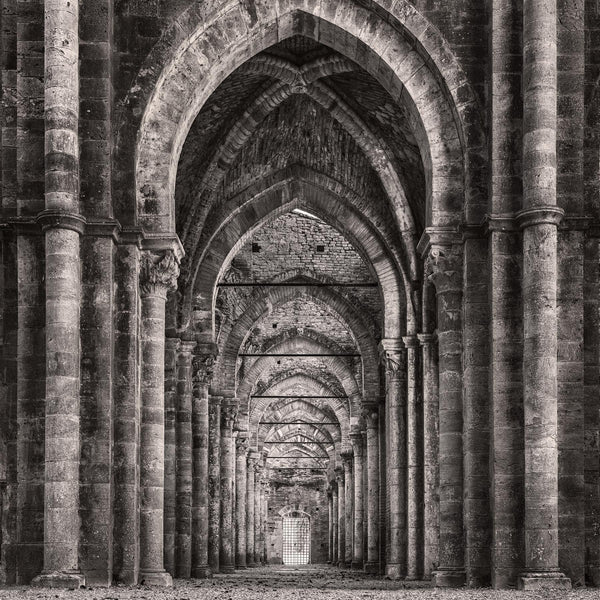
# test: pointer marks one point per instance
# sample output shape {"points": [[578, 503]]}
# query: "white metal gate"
{"points": [[296, 540]]}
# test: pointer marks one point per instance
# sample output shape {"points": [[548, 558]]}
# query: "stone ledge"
{"points": [[59, 580], [543, 581], [449, 579], [161, 578]]}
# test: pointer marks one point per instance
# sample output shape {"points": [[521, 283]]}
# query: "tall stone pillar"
{"points": [[415, 467], [329, 525], [394, 355], [370, 415], [214, 483], [539, 221], [258, 560], [183, 513], [431, 510], [158, 275], [365, 495], [228, 414], [62, 226], [241, 485], [204, 424], [341, 541], [264, 519], [347, 458], [444, 268], [357, 542], [170, 481], [334, 516], [253, 457]]}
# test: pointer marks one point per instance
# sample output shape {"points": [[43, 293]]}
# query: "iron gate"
{"points": [[296, 540]]}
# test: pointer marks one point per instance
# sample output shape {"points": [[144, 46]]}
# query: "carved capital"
{"points": [[339, 474], [393, 357], [370, 414], [158, 273], [204, 365], [540, 215], [427, 339], [443, 268], [356, 438], [228, 415], [241, 443], [347, 457]]}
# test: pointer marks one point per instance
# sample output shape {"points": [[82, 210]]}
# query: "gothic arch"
{"points": [[194, 56]]}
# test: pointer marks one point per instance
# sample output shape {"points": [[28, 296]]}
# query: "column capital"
{"points": [[356, 438], [241, 443], [158, 273], [370, 413], [228, 414], [392, 353], [253, 458], [172, 343], [216, 401], [443, 267], [339, 474], [204, 366], [347, 456], [540, 215]]}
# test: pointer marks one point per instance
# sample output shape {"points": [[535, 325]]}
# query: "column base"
{"points": [[394, 571], [227, 569], [371, 567], [201, 572], [60, 579], [341, 564], [157, 578], [543, 581], [251, 565], [449, 578], [241, 568], [357, 565]]}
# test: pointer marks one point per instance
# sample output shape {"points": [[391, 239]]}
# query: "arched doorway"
{"points": [[296, 539]]}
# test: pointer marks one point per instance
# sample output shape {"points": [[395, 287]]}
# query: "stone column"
{"points": [[264, 519], [445, 267], [334, 516], [203, 425], [226, 559], [539, 220], [357, 542], [394, 355], [170, 433], [258, 560], [158, 275], [370, 415], [253, 457], [329, 525], [347, 458], [341, 545], [214, 483], [62, 227], [414, 449], [431, 515], [365, 496], [183, 525], [241, 484]]}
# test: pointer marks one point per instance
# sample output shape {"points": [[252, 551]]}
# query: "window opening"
{"points": [[296, 540]]}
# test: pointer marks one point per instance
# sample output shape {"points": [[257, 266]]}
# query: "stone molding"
{"points": [[540, 215], [426, 339], [58, 219], [411, 341], [158, 273], [370, 414], [443, 267], [356, 438]]}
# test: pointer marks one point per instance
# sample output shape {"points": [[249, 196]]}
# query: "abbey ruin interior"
{"points": [[293, 282]]}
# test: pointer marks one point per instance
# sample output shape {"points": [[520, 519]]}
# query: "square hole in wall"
{"points": [[320, 248], [256, 247]]}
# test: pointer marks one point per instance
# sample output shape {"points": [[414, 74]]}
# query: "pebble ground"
{"points": [[287, 583]]}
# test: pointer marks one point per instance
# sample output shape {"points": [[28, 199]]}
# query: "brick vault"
{"points": [[312, 268]]}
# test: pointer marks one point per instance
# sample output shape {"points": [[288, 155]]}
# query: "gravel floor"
{"points": [[312, 583]]}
